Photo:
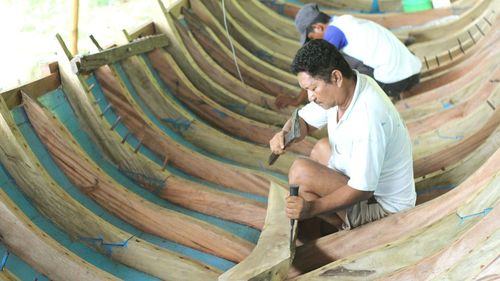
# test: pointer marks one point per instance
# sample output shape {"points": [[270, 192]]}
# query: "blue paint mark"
{"points": [[220, 113], [241, 108], [263, 55], [375, 7], [61, 179], [108, 247], [436, 188], [180, 124], [459, 137], [447, 105], [482, 213], [4, 260], [157, 183]]}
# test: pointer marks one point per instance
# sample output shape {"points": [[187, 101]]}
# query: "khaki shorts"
{"points": [[363, 212]]}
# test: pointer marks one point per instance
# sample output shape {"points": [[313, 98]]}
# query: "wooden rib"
{"points": [[192, 195], [391, 20], [144, 215], [444, 259], [209, 88], [461, 68], [42, 85], [452, 151], [443, 46], [259, 32], [222, 55], [211, 111], [229, 82], [458, 110], [273, 255], [441, 181], [61, 208], [262, 66], [261, 49], [40, 251], [386, 260], [488, 272], [345, 243], [6, 275], [462, 77], [194, 163]]}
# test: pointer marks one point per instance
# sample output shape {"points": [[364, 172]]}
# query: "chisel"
{"points": [[294, 191]]}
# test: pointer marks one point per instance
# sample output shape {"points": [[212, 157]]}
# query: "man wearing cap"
{"points": [[367, 46], [363, 171]]}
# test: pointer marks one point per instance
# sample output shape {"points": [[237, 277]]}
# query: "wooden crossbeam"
{"points": [[88, 63]]}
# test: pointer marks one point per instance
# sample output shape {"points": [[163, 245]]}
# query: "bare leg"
{"points": [[317, 180]]}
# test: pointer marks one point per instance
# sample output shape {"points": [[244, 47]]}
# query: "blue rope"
{"points": [[482, 213], [178, 123], [4, 260]]}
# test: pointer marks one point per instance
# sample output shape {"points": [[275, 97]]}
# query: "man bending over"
{"points": [[363, 171]]}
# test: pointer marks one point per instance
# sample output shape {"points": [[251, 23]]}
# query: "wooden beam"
{"points": [[273, 255], [88, 63]]}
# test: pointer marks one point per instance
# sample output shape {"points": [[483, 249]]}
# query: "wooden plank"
{"points": [[396, 226], [273, 255], [144, 215], [35, 89], [62, 209], [39, 250], [87, 63]]}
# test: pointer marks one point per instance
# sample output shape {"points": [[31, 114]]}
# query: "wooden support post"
{"points": [[88, 63], [74, 27]]}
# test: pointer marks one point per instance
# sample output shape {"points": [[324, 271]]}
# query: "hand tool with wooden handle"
{"points": [[294, 191], [292, 135]]}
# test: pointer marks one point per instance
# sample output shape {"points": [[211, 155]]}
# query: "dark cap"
{"points": [[305, 18]]}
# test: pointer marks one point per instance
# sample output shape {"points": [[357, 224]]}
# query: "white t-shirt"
{"points": [[370, 144], [378, 48]]}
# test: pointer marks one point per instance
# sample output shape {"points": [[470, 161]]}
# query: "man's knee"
{"points": [[321, 151], [297, 171]]}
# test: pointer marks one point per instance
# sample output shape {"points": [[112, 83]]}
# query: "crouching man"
{"points": [[363, 171]]}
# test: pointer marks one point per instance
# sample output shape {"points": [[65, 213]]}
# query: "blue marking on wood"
{"points": [[180, 124], [458, 137], [447, 105], [263, 55], [482, 213], [220, 113], [108, 247], [436, 188], [4, 260]]}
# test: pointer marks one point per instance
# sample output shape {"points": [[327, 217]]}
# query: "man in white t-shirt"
{"points": [[363, 171], [367, 46]]}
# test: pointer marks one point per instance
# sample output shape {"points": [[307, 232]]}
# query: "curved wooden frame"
{"points": [[39, 250], [62, 209], [345, 243]]}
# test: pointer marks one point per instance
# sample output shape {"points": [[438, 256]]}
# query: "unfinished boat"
{"points": [[146, 160]]}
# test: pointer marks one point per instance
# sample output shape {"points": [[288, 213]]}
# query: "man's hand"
{"points": [[277, 143], [297, 208]]}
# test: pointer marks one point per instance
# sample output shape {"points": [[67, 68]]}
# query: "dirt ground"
{"points": [[28, 29]]}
